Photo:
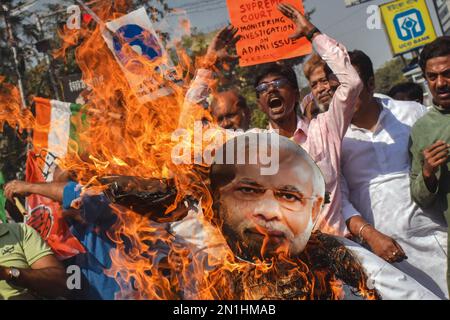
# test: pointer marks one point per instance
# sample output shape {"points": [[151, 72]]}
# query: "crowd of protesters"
{"points": [[384, 160]]}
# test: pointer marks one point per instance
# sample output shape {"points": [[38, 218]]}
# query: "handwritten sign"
{"points": [[265, 31]]}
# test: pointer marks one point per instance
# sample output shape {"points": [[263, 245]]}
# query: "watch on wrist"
{"points": [[13, 273], [310, 34]]}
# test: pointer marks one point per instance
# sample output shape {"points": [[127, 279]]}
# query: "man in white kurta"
{"points": [[375, 165]]}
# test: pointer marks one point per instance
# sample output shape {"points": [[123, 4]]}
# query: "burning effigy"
{"points": [[156, 201], [125, 151]]}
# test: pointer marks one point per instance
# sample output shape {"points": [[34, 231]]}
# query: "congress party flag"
{"points": [[50, 141]]}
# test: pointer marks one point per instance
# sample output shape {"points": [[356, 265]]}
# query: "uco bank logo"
{"points": [[409, 25]]}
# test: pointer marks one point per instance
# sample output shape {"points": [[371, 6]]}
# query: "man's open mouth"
{"points": [[275, 102], [276, 105]]}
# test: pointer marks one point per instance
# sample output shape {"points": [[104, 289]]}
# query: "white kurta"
{"points": [[375, 184], [391, 283]]}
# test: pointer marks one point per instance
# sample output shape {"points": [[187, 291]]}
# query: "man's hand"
{"points": [[383, 246], [221, 45], [16, 188], [303, 25], [434, 156]]}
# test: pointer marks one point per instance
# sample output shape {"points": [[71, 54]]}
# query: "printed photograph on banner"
{"points": [[136, 47], [265, 32]]}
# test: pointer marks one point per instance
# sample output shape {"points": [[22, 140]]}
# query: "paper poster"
{"points": [[135, 31], [265, 31]]}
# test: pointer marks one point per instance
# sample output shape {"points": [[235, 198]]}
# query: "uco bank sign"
{"points": [[408, 24]]}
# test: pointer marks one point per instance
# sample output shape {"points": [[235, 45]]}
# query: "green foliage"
{"points": [[24, 32], [12, 145], [389, 75], [259, 119]]}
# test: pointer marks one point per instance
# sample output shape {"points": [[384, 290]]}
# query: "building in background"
{"points": [[443, 9]]}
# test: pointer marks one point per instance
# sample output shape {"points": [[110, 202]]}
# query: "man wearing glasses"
{"points": [[278, 97], [321, 137]]}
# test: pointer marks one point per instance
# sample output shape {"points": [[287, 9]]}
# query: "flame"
{"points": [[11, 110], [128, 137]]}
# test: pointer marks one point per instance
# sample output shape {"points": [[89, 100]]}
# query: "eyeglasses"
{"points": [[277, 84]]}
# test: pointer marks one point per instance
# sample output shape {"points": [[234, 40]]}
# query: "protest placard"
{"points": [[265, 31]]}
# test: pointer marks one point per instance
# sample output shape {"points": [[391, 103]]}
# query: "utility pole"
{"points": [[46, 56], [7, 12], [12, 42]]}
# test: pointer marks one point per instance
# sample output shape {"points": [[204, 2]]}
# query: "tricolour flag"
{"points": [[50, 141]]}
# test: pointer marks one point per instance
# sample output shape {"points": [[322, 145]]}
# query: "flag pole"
{"points": [[20, 206]]}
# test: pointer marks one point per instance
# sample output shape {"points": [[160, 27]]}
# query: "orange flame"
{"points": [[127, 137], [11, 110], [139, 144]]}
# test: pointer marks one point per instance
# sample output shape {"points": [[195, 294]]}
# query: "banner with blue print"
{"points": [[141, 55]]}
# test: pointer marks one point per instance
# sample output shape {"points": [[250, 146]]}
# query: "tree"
{"points": [[12, 145], [389, 75], [35, 70], [24, 32]]}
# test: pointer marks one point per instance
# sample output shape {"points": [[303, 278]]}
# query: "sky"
{"points": [[347, 25]]}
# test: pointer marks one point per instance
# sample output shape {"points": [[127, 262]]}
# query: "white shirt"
{"points": [[375, 185], [391, 283]]}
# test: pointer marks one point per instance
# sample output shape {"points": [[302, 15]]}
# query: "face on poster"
{"points": [[265, 214], [265, 31], [132, 38]]}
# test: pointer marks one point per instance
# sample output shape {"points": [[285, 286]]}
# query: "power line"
{"points": [[349, 32], [208, 9], [213, 7], [343, 19], [200, 4]]}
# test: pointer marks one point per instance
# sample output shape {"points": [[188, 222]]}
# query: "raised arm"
{"points": [[195, 104], [340, 114]]}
